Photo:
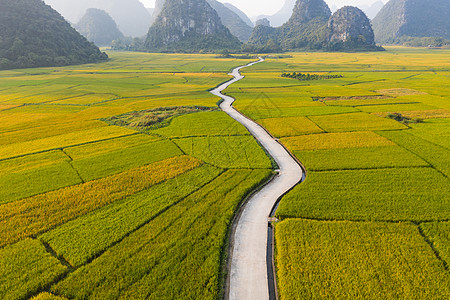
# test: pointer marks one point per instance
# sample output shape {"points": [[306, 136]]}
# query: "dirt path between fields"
{"points": [[248, 273]]}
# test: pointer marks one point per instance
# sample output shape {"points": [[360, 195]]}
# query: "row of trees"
{"points": [[307, 77]]}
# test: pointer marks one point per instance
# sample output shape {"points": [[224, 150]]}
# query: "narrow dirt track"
{"points": [[248, 273]]}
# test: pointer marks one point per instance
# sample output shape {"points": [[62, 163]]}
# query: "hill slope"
{"points": [[98, 27], [189, 26], [282, 16], [132, 18], [32, 34], [232, 21], [312, 27], [229, 18], [240, 13], [413, 18]]}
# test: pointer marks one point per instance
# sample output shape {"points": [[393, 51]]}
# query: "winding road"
{"points": [[248, 274]]}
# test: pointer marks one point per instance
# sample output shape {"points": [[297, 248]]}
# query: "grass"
{"points": [[176, 255], [359, 158], [31, 216], [240, 152], [26, 268], [81, 240], [415, 194], [346, 260]]}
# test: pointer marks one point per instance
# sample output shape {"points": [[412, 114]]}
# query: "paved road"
{"points": [[248, 274]]}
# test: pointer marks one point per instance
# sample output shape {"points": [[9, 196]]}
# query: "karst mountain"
{"points": [[412, 18], [32, 34], [189, 26]]}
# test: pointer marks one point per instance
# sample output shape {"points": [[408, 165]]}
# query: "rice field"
{"points": [[77, 193], [371, 219], [357, 260], [90, 210]]}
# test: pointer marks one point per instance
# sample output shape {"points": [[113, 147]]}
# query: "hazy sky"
{"points": [[268, 7]]}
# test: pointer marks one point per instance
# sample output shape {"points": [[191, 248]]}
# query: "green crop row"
{"points": [[256, 113], [30, 162], [82, 239], [103, 147], [359, 158], [176, 255], [416, 194], [26, 268], [355, 122], [435, 155], [290, 126], [202, 124], [439, 235], [61, 141], [346, 260], [339, 140], [436, 131], [37, 214], [96, 167], [16, 186], [226, 152]]}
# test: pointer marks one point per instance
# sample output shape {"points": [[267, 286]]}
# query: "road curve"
{"points": [[248, 274]]}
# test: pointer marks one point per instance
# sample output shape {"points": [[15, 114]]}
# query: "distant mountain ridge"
{"points": [[240, 13], [131, 16], [189, 26], [312, 27], [32, 34], [98, 27], [282, 16], [414, 18]]}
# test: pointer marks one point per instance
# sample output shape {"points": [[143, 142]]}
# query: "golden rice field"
{"points": [[90, 210]]}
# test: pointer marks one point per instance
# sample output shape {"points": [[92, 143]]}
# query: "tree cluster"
{"points": [[307, 77]]}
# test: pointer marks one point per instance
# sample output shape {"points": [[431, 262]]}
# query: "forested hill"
{"points": [[32, 34]]}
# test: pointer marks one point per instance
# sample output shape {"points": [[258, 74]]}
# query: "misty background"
{"points": [[255, 8]]}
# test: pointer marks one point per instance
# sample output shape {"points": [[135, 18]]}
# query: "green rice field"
{"points": [[371, 219], [93, 208], [151, 206]]}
